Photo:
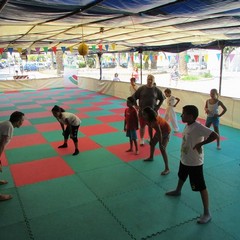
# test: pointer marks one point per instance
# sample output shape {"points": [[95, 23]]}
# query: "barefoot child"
{"points": [[211, 109], [72, 123], [131, 124], [195, 135], [161, 136], [170, 114]]}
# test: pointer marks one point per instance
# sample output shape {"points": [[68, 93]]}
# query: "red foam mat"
{"points": [[84, 144], [26, 140], [97, 129], [120, 151], [39, 170]]}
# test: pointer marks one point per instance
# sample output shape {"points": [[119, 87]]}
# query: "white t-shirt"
{"points": [[170, 101], [193, 134], [212, 108], [116, 79], [6, 129], [72, 119]]}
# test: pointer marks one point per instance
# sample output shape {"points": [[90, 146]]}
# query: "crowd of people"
{"points": [[143, 111]]}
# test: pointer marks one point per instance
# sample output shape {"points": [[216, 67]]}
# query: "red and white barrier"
{"points": [[20, 77]]}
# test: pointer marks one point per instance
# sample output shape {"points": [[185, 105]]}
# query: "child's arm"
{"points": [[213, 136], [177, 101], [206, 107], [158, 134], [223, 107]]}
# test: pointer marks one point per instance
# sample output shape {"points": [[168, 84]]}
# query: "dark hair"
{"points": [[191, 110], [131, 100], [151, 113], [133, 79], [56, 108], [167, 90], [16, 116]]}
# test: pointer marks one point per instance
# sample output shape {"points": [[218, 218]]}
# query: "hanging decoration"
{"points": [[94, 47], [113, 46], [1, 50], [45, 49], [206, 57], [100, 47], [83, 47], [71, 49], [187, 58], [107, 47], [196, 58], [218, 56], [131, 57], [10, 50], [19, 50], [63, 49], [231, 56], [54, 49], [37, 49]]}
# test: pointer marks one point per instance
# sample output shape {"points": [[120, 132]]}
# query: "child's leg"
{"points": [[204, 196], [216, 129], [206, 217], [131, 145], [165, 159], [153, 143], [177, 191], [174, 121], [136, 145], [66, 134], [164, 154], [74, 137]]}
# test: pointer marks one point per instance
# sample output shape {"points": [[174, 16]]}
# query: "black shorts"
{"points": [[195, 174], [74, 133]]}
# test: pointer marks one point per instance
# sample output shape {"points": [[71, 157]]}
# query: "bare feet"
{"points": [[148, 160], [5, 197], [137, 152], [129, 150], [3, 182], [165, 172], [173, 193]]}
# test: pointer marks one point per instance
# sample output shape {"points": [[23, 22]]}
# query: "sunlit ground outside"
{"points": [[230, 80]]}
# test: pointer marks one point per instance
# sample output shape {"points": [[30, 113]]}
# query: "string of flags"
{"points": [[133, 56], [54, 49]]}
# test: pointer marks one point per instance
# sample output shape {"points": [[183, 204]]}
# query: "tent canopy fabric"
{"points": [[119, 25]]}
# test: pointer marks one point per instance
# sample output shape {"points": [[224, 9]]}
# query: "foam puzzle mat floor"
{"points": [[105, 193]]}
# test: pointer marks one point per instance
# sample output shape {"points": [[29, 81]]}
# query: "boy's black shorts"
{"points": [[195, 174]]}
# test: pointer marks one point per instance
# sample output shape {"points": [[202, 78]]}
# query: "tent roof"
{"points": [[128, 24]]}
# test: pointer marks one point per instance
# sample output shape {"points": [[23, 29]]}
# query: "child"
{"points": [[161, 136], [191, 163], [116, 78], [131, 124], [174, 76], [133, 86], [211, 109], [72, 123], [170, 114]]}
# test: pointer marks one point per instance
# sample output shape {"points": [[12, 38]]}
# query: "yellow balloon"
{"points": [[83, 49]]}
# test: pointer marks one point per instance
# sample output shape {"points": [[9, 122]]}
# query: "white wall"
{"points": [[121, 89]]}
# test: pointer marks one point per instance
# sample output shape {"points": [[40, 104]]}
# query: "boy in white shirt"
{"points": [[195, 135]]}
